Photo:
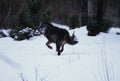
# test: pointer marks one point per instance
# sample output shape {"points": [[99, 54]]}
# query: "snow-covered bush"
{"points": [[26, 33], [2, 34]]}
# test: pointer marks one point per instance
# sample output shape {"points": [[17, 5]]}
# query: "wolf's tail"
{"points": [[71, 40]]}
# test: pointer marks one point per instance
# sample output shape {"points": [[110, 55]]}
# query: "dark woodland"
{"points": [[98, 15]]}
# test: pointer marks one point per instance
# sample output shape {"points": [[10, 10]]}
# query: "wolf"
{"points": [[56, 35]]}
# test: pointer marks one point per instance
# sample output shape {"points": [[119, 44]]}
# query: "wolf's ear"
{"points": [[40, 24], [41, 21]]}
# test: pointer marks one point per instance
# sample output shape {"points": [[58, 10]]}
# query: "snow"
{"points": [[6, 32], [92, 59], [114, 30]]}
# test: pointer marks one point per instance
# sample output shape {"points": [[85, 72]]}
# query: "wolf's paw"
{"points": [[50, 47], [59, 54]]}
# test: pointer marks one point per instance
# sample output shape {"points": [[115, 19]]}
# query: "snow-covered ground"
{"points": [[92, 59]]}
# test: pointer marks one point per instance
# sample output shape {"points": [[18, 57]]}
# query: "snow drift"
{"points": [[92, 59]]}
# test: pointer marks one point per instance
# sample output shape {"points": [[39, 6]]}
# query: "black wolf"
{"points": [[56, 35]]}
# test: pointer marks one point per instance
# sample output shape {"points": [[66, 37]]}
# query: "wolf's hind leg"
{"points": [[62, 48], [49, 45], [58, 45]]}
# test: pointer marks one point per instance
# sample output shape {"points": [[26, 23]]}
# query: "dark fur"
{"points": [[56, 35]]}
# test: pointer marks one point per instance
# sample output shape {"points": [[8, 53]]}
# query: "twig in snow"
{"points": [[22, 77]]}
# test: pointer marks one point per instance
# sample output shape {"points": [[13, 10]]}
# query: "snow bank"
{"points": [[114, 30], [92, 59]]}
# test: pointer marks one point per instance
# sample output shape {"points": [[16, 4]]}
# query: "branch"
{"points": [[10, 9]]}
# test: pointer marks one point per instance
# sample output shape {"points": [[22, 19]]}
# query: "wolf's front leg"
{"points": [[49, 45]]}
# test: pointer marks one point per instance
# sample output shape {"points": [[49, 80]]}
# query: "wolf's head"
{"points": [[42, 27]]}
